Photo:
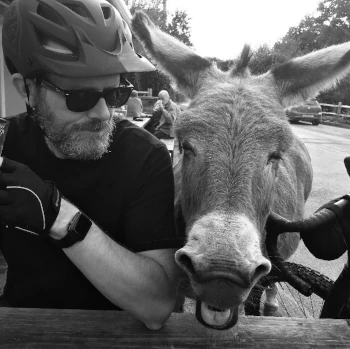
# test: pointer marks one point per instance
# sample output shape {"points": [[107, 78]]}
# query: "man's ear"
{"points": [[20, 85]]}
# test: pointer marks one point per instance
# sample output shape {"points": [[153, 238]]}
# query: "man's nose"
{"points": [[100, 111]]}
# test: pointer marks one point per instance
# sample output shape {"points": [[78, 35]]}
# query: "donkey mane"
{"points": [[241, 66]]}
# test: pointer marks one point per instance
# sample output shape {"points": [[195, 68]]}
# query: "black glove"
{"points": [[27, 201], [329, 241]]}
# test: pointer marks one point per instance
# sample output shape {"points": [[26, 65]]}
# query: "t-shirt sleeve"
{"points": [[149, 216]]}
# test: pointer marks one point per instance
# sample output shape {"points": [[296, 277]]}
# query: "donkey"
{"points": [[241, 160]]}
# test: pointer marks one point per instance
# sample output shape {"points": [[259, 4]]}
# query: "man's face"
{"points": [[76, 135], [164, 98]]}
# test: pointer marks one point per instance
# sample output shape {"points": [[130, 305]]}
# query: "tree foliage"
{"points": [[180, 28]]}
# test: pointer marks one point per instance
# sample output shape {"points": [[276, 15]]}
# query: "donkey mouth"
{"points": [[216, 318]]}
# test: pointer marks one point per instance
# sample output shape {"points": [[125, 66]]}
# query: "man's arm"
{"points": [[143, 284]]}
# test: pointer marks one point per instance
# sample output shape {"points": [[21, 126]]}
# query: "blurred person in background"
{"points": [[134, 106], [165, 112]]}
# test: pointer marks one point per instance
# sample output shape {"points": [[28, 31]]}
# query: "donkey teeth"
{"points": [[217, 317]]}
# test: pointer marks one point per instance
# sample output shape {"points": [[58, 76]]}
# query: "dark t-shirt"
{"points": [[128, 193]]}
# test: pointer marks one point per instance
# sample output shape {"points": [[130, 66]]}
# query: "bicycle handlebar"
{"points": [[326, 234], [322, 233]]}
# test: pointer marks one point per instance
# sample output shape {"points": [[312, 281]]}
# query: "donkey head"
{"points": [[240, 160]]}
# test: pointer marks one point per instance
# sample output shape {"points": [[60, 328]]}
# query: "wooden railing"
{"points": [[58, 328], [145, 93], [337, 110]]}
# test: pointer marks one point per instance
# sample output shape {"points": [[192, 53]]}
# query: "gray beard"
{"points": [[71, 142]]}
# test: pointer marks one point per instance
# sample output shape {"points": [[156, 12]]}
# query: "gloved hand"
{"points": [[328, 242], [27, 201]]}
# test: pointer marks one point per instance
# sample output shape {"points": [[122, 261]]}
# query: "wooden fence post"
{"points": [[339, 109]]}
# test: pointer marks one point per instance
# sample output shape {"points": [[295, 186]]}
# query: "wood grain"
{"points": [[48, 328]]}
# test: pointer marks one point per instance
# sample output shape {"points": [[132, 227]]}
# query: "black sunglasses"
{"points": [[83, 100]]}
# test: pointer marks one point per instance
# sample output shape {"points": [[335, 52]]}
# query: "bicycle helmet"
{"points": [[69, 38]]}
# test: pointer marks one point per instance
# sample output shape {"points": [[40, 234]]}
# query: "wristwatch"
{"points": [[77, 228]]}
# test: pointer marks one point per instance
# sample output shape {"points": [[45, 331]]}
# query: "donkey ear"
{"points": [[172, 56], [303, 77]]}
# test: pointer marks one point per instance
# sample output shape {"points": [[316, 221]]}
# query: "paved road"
{"points": [[328, 146]]}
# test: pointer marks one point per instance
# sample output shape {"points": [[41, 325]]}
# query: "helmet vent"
{"points": [[50, 14], [56, 47], [52, 44], [107, 13], [79, 10]]}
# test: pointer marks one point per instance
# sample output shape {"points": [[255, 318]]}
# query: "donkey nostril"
{"points": [[262, 269], [185, 262]]}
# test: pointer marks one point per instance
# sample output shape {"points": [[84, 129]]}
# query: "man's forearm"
{"points": [[134, 282]]}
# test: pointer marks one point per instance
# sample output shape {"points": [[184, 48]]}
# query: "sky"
{"points": [[220, 28]]}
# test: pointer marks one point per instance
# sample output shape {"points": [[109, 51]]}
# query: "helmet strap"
{"points": [[30, 110]]}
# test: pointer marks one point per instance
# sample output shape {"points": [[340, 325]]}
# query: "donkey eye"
{"points": [[188, 148]]}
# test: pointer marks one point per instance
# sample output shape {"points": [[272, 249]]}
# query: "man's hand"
{"points": [[27, 201]]}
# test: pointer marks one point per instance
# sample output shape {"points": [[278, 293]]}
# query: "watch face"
{"points": [[77, 230], [82, 225]]}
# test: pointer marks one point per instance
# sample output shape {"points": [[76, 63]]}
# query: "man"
{"points": [[134, 104], [165, 112], [169, 113], [86, 207]]}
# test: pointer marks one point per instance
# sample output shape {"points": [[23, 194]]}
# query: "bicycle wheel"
{"points": [[291, 302]]}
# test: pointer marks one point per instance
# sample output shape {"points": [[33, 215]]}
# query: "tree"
{"points": [[179, 27], [334, 21], [261, 60]]}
